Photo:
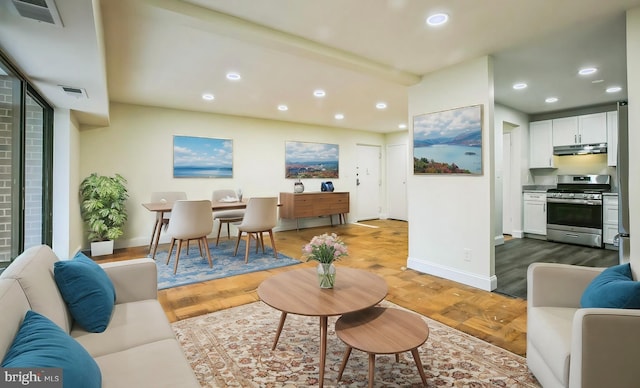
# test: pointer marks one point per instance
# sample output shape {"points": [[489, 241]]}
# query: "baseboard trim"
{"points": [[517, 234], [457, 275], [498, 240]]}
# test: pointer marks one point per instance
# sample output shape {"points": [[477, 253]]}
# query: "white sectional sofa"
{"points": [[138, 347]]}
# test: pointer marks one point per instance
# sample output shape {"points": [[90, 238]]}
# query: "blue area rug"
{"points": [[193, 268]]}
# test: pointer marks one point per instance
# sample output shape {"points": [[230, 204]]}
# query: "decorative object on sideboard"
{"points": [[298, 187], [326, 186]]}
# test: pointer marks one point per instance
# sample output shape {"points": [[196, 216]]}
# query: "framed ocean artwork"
{"points": [[202, 157], [311, 160], [448, 142]]}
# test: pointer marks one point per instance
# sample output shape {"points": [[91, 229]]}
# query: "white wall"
{"points": [[448, 214], [519, 165], [633, 85], [138, 144], [67, 225]]}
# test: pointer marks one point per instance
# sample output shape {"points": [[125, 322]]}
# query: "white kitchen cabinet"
{"points": [[612, 138], [535, 213], [541, 144], [584, 129], [609, 218]]}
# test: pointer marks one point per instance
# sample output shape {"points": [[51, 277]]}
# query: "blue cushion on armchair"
{"points": [[87, 290], [613, 288]]}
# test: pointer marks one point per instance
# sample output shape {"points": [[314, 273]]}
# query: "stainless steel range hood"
{"points": [[580, 149]]}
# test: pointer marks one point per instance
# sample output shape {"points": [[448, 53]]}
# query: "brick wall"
{"points": [[33, 169]]}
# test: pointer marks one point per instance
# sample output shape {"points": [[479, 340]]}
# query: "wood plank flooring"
{"points": [[380, 247], [515, 255]]}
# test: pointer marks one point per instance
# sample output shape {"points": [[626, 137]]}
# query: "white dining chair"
{"points": [[225, 216], [190, 220], [261, 216], [164, 196]]}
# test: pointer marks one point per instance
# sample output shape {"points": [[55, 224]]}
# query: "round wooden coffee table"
{"points": [[298, 292], [380, 330]]}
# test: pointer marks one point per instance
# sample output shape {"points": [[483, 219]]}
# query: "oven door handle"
{"points": [[588, 202]]}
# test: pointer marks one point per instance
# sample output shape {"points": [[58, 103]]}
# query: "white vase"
{"points": [[100, 248], [326, 275]]}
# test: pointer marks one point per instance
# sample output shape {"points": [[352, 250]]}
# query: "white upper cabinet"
{"points": [[592, 128], [585, 129], [540, 144], [612, 138], [565, 131]]}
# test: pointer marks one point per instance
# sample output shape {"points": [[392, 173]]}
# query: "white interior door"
{"points": [[397, 181], [367, 206]]}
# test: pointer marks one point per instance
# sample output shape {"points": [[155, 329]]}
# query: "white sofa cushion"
{"points": [[158, 364], [132, 324], [38, 284], [14, 307], [549, 331]]}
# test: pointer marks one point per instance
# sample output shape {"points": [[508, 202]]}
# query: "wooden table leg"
{"points": [[283, 316], [347, 353], [416, 357], [156, 237], [372, 368], [323, 348]]}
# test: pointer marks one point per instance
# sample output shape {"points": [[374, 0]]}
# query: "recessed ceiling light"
{"points": [[437, 19], [233, 76], [381, 105], [587, 71], [319, 93], [520, 85], [208, 96], [614, 89], [402, 126], [550, 100], [283, 107], [339, 116]]}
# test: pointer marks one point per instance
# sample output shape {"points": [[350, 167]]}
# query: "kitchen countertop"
{"points": [[537, 188]]}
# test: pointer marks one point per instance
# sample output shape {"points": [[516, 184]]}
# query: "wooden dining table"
{"points": [[160, 208]]}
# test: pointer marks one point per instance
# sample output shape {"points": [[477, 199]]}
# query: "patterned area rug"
{"points": [[194, 268], [232, 348]]}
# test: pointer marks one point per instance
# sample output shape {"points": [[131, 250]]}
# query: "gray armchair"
{"points": [[569, 346]]}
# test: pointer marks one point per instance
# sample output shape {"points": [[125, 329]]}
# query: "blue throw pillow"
{"points": [[87, 290], [40, 343], [613, 288]]}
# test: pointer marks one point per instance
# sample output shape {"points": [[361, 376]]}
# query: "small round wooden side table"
{"points": [[381, 330]]}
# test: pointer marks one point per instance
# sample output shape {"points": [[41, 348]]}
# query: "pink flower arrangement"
{"points": [[325, 248]]}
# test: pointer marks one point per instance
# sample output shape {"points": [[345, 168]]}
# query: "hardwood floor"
{"points": [[379, 246], [514, 256]]}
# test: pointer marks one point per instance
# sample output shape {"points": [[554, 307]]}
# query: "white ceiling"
{"points": [[168, 53]]}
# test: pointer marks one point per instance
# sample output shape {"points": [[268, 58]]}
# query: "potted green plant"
{"points": [[103, 209]]}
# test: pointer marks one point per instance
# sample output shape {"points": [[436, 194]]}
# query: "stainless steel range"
{"points": [[574, 209]]}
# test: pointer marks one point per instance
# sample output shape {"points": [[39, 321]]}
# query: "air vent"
{"points": [[40, 10], [74, 92]]}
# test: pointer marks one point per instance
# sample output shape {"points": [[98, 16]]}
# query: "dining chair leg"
{"points": [[246, 253], [273, 244], [175, 268], [219, 229], [235, 252], [204, 241], [173, 241]]}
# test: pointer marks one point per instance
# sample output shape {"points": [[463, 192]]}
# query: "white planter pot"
{"points": [[100, 248]]}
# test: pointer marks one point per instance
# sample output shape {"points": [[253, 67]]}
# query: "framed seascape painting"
{"points": [[202, 157], [311, 160], [448, 142]]}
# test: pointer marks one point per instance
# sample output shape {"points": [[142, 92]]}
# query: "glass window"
{"points": [[26, 146]]}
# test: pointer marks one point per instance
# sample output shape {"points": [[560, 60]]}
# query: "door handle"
{"points": [[357, 181]]}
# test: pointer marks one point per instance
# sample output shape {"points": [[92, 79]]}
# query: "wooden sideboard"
{"points": [[301, 205]]}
